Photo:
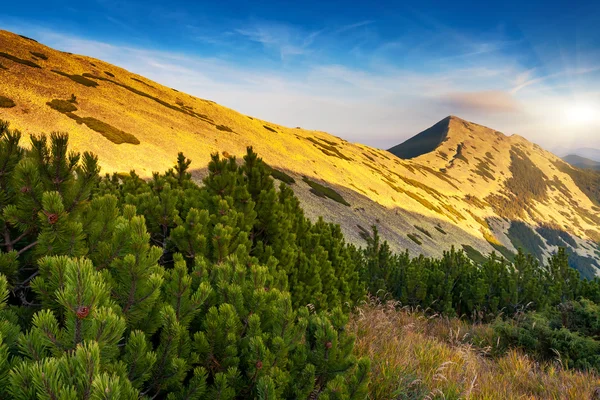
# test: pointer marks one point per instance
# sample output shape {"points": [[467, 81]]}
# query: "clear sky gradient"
{"points": [[371, 73]]}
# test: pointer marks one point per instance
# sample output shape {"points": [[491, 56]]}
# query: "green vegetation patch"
{"points": [[415, 238], [528, 182], [77, 78], [323, 191], [440, 230], [483, 169], [5, 102], [523, 237], [269, 128], [63, 106], [39, 55], [281, 176], [111, 133], [474, 254], [223, 128], [423, 230], [503, 250], [19, 60]]}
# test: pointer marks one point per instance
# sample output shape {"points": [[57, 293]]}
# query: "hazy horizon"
{"points": [[371, 74]]}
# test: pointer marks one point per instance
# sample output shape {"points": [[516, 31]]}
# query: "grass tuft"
{"points": [[269, 128], [109, 74]]}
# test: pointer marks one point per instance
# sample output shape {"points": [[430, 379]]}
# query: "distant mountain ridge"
{"points": [[456, 184], [582, 162], [590, 153]]}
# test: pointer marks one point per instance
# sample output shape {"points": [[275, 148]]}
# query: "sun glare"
{"points": [[582, 114]]}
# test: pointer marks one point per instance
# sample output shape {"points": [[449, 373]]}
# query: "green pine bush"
{"points": [[119, 288]]}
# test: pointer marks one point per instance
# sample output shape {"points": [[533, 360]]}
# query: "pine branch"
{"points": [[29, 246]]}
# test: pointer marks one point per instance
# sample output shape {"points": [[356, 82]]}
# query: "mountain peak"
{"points": [[424, 142]]}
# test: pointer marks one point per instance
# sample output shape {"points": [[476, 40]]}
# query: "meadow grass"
{"points": [[415, 356]]}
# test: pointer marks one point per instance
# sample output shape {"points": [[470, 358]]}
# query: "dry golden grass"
{"points": [[418, 357]]}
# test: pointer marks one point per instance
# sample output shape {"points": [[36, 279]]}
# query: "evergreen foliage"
{"points": [[121, 288]]}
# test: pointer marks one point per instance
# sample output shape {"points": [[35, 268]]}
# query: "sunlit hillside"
{"points": [[474, 188]]}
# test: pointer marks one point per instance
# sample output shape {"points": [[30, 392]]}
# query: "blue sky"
{"points": [[371, 73]]}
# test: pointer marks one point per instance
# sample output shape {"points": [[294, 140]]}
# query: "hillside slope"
{"points": [[473, 188], [582, 162]]}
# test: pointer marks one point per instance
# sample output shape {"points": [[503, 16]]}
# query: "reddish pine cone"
{"points": [[328, 345], [259, 364], [52, 218], [83, 312], [25, 189]]}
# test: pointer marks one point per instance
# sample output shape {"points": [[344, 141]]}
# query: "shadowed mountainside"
{"points": [[425, 142]]}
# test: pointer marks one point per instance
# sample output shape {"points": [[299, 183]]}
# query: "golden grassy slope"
{"points": [[381, 188], [416, 357]]}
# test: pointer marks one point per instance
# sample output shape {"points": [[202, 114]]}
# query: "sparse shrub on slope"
{"points": [[19, 60], [63, 106], [223, 128], [39, 55], [5, 102], [82, 80], [324, 191], [111, 133]]}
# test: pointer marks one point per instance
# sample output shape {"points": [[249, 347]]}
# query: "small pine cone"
{"points": [[259, 364], [83, 312], [328, 345], [25, 189], [52, 218], [267, 289]]}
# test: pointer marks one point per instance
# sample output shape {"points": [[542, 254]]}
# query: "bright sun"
{"points": [[582, 114]]}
